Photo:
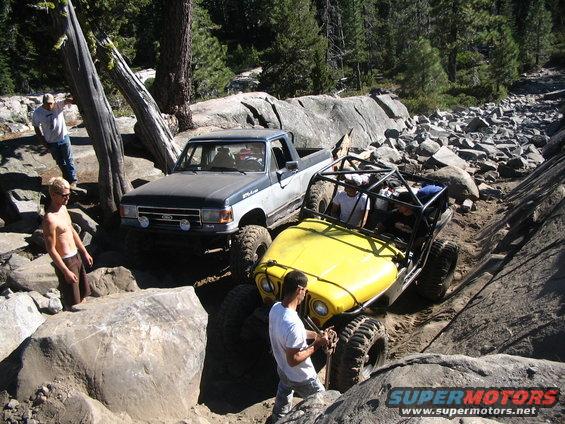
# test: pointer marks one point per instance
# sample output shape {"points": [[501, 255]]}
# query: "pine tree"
{"points": [[355, 43], [6, 81], [504, 63], [424, 74], [298, 52], [210, 75], [537, 35]]}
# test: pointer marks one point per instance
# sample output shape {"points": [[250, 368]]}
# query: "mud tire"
{"points": [[248, 247], [237, 306], [317, 198], [361, 348], [438, 273]]}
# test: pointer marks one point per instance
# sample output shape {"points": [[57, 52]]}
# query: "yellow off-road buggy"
{"points": [[352, 271]]}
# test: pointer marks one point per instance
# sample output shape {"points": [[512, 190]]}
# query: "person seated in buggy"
{"points": [[401, 221], [349, 205]]}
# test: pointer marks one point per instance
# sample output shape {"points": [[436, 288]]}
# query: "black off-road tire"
{"points": [[317, 198], [437, 275], [362, 347], [238, 305], [137, 248], [248, 247]]}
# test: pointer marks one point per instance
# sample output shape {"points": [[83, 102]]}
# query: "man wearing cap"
{"points": [[51, 130], [349, 205]]}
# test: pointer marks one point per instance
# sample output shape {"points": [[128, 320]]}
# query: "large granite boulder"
{"points": [[460, 184], [366, 402], [139, 353], [10, 242], [37, 275], [520, 311], [316, 121], [445, 157], [105, 281], [19, 318]]}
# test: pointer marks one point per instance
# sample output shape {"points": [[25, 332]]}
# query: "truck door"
{"points": [[285, 190]]}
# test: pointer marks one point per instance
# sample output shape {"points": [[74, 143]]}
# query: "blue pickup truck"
{"points": [[227, 190]]}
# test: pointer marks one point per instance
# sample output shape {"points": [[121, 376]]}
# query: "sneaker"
{"points": [[73, 185]]}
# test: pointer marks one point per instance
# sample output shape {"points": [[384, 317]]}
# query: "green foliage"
{"points": [[295, 63], [244, 58], [504, 63], [537, 35], [244, 22], [424, 74], [6, 82], [210, 75]]}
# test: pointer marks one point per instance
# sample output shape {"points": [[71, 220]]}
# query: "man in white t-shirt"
{"points": [[351, 206], [291, 351], [51, 130]]}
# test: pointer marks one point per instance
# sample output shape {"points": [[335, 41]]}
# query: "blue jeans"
{"points": [[63, 156], [285, 391]]}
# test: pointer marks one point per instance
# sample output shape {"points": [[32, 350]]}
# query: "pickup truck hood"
{"points": [[205, 189], [339, 261]]}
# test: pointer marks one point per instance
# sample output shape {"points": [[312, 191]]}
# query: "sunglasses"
{"points": [[64, 195]]}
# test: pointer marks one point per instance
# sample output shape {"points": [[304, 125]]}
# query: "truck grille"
{"points": [[170, 218]]}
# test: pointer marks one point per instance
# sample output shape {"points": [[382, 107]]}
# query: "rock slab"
{"points": [[366, 402], [19, 318], [138, 353]]}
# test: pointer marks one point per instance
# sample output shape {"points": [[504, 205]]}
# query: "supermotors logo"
{"points": [[471, 401]]}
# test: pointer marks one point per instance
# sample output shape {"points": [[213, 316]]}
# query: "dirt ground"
{"points": [[243, 392]]}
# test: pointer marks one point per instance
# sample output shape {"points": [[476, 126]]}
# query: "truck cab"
{"points": [[222, 183]]}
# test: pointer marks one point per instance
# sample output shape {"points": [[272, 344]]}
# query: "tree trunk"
{"points": [[155, 133], [94, 107], [171, 88]]}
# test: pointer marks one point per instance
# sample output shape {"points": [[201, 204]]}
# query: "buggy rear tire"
{"points": [[317, 198], [438, 272], [361, 348], [248, 247]]}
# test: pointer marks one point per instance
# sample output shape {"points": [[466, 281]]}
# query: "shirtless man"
{"points": [[64, 244]]}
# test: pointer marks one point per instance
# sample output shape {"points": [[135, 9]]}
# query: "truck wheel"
{"points": [[438, 272], [236, 308], [248, 247], [137, 248], [361, 348], [318, 197]]}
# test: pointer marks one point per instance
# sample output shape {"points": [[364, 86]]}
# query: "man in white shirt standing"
{"points": [[51, 130], [291, 351]]}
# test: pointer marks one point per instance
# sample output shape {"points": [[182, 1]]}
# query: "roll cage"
{"points": [[433, 213]]}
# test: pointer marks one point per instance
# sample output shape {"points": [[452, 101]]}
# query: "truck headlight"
{"points": [[266, 285], [217, 216], [320, 308], [128, 211]]}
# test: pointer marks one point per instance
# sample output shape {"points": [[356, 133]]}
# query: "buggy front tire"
{"points": [[361, 348]]}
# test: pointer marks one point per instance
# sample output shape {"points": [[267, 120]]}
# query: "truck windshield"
{"points": [[222, 156]]}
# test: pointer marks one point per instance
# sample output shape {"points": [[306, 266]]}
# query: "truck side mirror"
{"points": [[291, 165]]}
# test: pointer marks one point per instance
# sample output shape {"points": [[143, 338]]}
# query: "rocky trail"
{"points": [[507, 214]]}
